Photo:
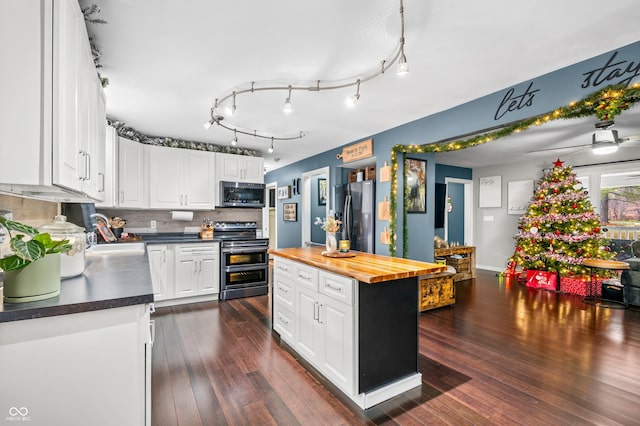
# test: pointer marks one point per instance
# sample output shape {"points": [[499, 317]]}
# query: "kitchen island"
{"points": [[354, 320], [83, 357]]}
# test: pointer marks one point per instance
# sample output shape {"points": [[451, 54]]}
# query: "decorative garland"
{"points": [[604, 104], [132, 134]]}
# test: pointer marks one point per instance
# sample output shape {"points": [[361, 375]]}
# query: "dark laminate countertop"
{"points": [[110, 281]]}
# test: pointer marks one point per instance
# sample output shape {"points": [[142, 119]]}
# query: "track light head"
{"points": [[270, 150], [231, 109], [287, 108], [403, 67], [234, 141], [208, 124]]}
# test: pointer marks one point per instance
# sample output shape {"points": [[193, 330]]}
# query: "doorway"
{"points": [[464, 188], [269, 222], [312, 207]]}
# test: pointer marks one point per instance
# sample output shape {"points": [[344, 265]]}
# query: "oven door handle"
{"points": [[245, 250], [243, 268]]}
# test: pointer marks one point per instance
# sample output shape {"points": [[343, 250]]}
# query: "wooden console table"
{"points": [[465, 270]]}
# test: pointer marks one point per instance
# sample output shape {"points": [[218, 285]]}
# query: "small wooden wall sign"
{"points": [[385, 173], [385, 236], [356, 151], [384, 209]]}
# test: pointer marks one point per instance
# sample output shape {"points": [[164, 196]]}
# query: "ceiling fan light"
{"points": [[605, 148], [605, 142]]}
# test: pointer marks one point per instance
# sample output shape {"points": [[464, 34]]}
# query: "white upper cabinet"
{"points": [[240, 168], [131, 174], [110, 187], [52, 111], [180, 178]]}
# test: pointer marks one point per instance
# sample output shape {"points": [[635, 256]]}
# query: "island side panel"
{"points": [[388, 332]]}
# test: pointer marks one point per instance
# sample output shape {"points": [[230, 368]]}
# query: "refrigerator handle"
{"points": [[347, 216]]}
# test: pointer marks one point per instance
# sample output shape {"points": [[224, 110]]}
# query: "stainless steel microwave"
{"points": [[241, 194]]}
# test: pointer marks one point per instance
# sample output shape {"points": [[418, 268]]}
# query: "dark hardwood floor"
{"points": [[502, 355]]}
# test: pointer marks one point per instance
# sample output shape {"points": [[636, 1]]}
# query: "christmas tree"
{"points": [[560, 229]]}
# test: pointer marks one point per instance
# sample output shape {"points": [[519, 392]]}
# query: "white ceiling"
{"points": [[167, 61]]}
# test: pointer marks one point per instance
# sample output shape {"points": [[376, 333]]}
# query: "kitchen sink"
{"points": [[115, 248]]}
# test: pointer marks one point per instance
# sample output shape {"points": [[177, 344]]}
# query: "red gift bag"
{"points": [[541, 279]]}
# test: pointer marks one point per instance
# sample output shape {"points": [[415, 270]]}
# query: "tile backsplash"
{"points": [[139, 221], [26, 210]]}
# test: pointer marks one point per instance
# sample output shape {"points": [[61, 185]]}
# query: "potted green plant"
{"points": [[32, 271]]}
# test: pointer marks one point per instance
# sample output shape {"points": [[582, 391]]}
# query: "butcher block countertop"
{"points": [[365, 267]]}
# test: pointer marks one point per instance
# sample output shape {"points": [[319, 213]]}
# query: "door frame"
{"points": [[468, 209], [266, 232], [305, 212]]}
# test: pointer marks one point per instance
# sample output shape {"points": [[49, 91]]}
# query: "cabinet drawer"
{"points": [[283, 268], [337, 287], [197, 249], [284, 323], [307, 277], [283, 291]]}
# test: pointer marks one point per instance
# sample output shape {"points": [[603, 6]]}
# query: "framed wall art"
{"points": [[519, 194], [490, 193], [415, 174], [290, 212], [322, 192], [284, 192]]}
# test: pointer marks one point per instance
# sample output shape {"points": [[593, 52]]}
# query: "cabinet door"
{"points": [[186, 276], [197, 179], [159, 271], [229, 168], [164, 178], [308, 330], [130, 173], [110, 168], [338, 343], [68, 157], [209, 275], [254, 169]]}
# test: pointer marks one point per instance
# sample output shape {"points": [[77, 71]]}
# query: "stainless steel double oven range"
{"points": [[244, 263]]}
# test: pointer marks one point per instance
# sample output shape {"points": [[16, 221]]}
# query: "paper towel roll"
{"points": [[188, 216]]}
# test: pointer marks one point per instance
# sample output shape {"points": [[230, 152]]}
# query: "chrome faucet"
{"points": [[100, 215]]}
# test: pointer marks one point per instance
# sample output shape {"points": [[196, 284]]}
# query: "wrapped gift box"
{"points": [[541, 279], [580, 285]]}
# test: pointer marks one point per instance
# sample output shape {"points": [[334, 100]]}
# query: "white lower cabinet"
{"points": [[314, 313], [97, 364], [161, 265], [197, 269]]}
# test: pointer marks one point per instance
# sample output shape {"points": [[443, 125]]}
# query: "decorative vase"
{"points": [[37, 281], [332, 243]]}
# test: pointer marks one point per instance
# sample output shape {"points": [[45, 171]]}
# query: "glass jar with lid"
{"points": [[72, 263]]}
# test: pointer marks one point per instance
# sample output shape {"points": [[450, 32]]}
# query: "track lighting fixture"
{"points": [[353, 100], [398, 56], [271, 147], [288, 109], [234, 141], [208, 124], [403, 66]]}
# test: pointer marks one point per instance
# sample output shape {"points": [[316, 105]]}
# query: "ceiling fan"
{"points": [[604, 140]]}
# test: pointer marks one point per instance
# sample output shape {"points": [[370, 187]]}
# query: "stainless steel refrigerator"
{"points": [[357, 201]]}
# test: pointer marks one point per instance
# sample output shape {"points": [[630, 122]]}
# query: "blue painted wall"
{"points": [[527, 99]]}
